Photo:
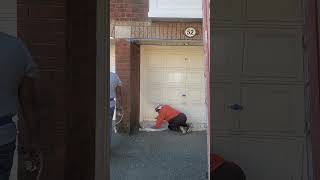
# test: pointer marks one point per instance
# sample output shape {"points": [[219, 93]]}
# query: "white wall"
{"points": [[175, 9], [8, 16], [112, 56]]}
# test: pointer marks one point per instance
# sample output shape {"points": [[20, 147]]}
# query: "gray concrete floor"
{"points": [[162, 155]]}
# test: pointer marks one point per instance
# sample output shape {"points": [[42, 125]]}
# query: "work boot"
{"points": [[183, 130], [188, 129]]}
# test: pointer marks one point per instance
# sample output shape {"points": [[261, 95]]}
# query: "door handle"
{"points": [[236, 107], [184, 95]]}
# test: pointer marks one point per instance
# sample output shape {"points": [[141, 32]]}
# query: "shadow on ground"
{"points": [[159, 156]]}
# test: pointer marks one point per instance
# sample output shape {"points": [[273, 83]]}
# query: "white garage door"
{"points": [[174, 76], [258, 68]]}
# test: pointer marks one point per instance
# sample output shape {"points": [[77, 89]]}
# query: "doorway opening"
{"points": [[159, 61], [257, 55]]}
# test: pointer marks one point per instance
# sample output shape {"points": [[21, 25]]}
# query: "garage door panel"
{"points": [[271, 159], [223, 119], [227, 53], [176, 76], [149, 114], [175, 61], [234, 9], [272, 109], [155, 61], [173, 95], [156, 76], [195, 96], [273, 54], [195, 78], [225, 146], [195, 114], [275, 10], [155, 94], [195, 61]]}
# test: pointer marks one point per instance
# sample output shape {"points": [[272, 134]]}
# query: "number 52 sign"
{"points": [[190, 32]]}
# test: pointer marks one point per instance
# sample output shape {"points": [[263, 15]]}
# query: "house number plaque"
{"points": [[190, 32]]}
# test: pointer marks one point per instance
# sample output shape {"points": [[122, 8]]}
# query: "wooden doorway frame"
{"points": [[102, 148], [313, 41]]}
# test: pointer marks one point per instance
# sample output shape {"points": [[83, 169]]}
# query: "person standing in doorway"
{"points": [[177, 120], [17, 70], [115, 94]]}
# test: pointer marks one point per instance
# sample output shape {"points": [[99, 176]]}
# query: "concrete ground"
{"points": [[162, 155]]}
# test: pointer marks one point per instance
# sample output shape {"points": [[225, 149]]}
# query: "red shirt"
{"points": [[215, 162], [166, 113]]}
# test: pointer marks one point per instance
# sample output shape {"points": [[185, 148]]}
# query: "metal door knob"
{"points": [[236, 107], [184, 95]]}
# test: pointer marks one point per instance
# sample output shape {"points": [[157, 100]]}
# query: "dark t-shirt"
{"points": [[15, 64]]}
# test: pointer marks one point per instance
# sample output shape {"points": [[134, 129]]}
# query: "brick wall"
{"points": [[61, 37], [41, 25], [128, 69], [129, 10], [156, 30], [122, 54]]}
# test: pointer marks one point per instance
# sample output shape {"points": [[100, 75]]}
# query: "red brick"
{"points": [[126, 68], [129, 10]]}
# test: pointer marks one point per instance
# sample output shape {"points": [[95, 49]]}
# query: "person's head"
{"points": [[158, 107]]}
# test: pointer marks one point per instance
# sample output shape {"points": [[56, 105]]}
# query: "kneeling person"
{"points": [[177, 120]]}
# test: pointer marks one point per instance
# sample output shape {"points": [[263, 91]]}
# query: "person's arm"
{"points": [[159, 121], [119, 96], [28, 113], [28, 102]]}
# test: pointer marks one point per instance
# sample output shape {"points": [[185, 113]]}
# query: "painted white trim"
{"points": [[142, 56], [174, 9]]}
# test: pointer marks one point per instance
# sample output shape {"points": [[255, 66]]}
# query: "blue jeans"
{"points": [[6, 159], [111, 113]]}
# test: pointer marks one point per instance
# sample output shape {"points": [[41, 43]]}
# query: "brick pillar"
{"points": [[61, 36], [128, 69]]}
